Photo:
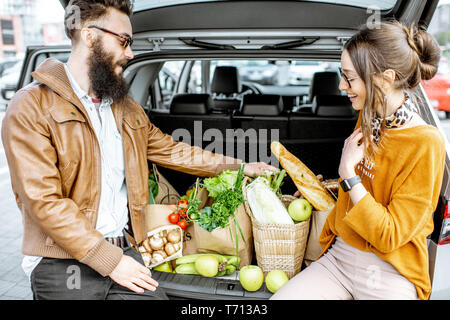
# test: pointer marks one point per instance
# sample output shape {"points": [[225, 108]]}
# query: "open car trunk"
{"points": [[207, 31]]}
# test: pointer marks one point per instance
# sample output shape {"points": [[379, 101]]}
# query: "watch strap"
{"points": [[348, 184]]}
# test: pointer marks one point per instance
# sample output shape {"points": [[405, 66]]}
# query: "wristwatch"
{"points": [[348, 184]]}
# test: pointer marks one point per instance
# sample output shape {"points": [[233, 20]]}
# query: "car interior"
{"points": [[312, 119]]}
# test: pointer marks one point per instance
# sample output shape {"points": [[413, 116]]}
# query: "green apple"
{"points": [[251, 277], [300, 210], [275, 279]]}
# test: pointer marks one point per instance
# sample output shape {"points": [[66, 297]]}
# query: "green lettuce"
{"points": [[217, 185]]}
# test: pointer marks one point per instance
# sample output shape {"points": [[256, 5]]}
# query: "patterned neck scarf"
{"points": [[396, 120]]}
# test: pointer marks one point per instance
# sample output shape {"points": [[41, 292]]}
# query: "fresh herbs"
{"points": [[225, 204]]}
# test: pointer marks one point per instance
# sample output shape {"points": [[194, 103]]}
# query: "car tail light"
{"points": [[444, 237]]}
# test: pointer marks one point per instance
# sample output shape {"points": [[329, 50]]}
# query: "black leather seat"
{"points": [[191, 103], [191, 111], [225, 87], [262, 111], [322, 83], [332, 106]]}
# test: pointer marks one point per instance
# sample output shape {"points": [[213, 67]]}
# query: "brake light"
{"points": [[444, 237]]}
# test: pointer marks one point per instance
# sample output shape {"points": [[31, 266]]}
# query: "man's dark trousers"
{"points": [[68, 279]]}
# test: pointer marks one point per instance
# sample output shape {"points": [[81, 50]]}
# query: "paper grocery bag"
{"points": [[313, 247], [156, 215], [166, 192], [223, 240]]}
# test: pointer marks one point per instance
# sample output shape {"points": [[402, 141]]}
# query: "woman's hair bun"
{"points": [[427, 49]]}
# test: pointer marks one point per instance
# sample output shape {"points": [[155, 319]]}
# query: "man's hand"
{"points": [[131, 274], [256, 168]]}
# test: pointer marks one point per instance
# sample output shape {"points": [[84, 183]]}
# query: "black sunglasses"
{"points": [[125, 41]]}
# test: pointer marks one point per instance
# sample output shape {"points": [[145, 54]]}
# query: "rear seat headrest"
{"points": [[191, 103], [324, 83], [332, 106], [262, 105], [226, 80]]}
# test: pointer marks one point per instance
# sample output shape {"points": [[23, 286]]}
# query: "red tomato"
{"points": [[182, 212], [183, 224], [183, 202], [174, 218]]}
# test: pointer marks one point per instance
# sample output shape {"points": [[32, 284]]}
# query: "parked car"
{"points": [[262, 72], [303, 71], [7, 63], [438, 88], [9, 80], [199, 33]]}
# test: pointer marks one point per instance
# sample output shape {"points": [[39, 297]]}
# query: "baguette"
{"points": [[304, 179]]}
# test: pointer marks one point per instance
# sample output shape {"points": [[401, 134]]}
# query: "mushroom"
{"points": [[147, 245], [158, 257], [142, 249], [163, 234], [170, 249], [156, 243], [147, 257], [177, 246], [174, 236]]}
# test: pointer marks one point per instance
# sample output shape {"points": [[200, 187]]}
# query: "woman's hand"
{"points": [[352, 154]]}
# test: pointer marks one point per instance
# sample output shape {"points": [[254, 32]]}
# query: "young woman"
{"points": [[391, 170]]}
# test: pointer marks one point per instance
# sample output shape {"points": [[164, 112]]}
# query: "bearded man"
{"points": [[77, 147]]}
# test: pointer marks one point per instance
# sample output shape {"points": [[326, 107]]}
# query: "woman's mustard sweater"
{"points": [[394, 218]]}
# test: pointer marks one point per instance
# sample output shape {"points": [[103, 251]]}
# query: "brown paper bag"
{"points": [[223, 240], [313, 247], [166, 192], [156, 215]]}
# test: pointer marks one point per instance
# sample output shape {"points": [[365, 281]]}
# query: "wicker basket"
{"points": [[279, 246]]}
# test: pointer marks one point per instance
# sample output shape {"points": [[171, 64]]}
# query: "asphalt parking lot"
{"points": [[14, 285]]}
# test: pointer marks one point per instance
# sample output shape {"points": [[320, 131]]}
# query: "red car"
{"points": [[438, 88]]}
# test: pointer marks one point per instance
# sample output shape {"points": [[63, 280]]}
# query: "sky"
{"points": [[49, 11]]}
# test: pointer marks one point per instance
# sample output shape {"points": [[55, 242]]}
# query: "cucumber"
{"points": [[234, 260], [192, 257], [186, 268], [229, 269]]}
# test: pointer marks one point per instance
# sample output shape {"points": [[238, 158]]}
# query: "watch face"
{"points": [[345, 185]]}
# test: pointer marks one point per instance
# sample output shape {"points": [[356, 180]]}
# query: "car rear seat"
{"points": [[262, 111], [225, 87], [332, 106], [319, 137], [185, 110], [322, 83]]}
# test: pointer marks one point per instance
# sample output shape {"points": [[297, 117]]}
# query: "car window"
{"points": [[167, 80], [283, 77]]}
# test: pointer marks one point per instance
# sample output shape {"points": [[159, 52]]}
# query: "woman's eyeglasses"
{"points": [[347, 79], [125, 41]]}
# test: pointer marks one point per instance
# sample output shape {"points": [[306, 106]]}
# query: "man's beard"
{"points": [[105, 83]]}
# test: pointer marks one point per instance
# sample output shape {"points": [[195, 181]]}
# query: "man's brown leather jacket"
{"points": [[54, 162]]}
